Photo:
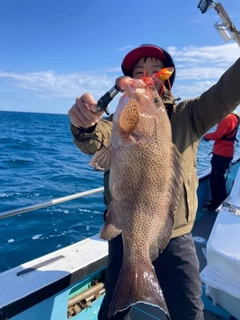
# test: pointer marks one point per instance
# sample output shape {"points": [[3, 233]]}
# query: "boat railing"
{"points": [[52, 202], [201, 174]]}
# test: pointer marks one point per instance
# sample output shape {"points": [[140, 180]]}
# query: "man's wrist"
{"points": [[87, 130]]}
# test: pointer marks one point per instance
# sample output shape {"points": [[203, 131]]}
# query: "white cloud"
{"points": [[59, 85], [198, 68], [190, 91], [127, 47], [225, 54], [195, 21], [200, 73], [114, 69]]}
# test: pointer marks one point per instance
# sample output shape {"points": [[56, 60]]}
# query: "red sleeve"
{"points": [[222, 128]]}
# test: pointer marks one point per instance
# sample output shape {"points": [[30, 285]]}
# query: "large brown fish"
{"points": [[145, 180]]}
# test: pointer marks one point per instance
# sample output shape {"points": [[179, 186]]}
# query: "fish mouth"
{"points": [[130, 85]]}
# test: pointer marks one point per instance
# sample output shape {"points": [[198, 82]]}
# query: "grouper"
{"points": [[144, 182]]}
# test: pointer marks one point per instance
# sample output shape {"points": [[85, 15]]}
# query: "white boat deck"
{"points": [[39, 273]]}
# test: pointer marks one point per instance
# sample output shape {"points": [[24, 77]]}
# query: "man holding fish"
{"points": [[148, 150]]}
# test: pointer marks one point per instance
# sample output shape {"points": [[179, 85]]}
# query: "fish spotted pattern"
{"points": [[145, 180]]}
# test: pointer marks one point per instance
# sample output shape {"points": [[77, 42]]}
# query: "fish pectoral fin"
{"points": [[101, 160], [109, 230], [137, 282], [129, 117]]}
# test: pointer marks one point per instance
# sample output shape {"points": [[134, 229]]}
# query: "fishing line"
{"points": [[84, 139]]}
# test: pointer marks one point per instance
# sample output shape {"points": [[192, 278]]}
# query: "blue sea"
{"points": [[39, 162]]}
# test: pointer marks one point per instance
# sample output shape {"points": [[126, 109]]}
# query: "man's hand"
{"points": [[84, 112]]}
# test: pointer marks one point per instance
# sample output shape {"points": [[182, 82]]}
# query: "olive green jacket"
{"points": [[190, 120]]}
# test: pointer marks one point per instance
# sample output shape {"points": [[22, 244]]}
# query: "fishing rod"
{"points": [[103, 102], [226, 28]]}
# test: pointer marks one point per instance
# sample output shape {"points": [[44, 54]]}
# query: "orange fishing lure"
{"points": [[163, 74]]}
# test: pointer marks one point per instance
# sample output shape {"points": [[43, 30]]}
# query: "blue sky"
{"points": [[53, 51]]}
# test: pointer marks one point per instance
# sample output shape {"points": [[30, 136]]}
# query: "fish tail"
{"points": [[137, 283]]}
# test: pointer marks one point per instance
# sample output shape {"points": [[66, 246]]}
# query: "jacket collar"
{"points": [[167, 97]]}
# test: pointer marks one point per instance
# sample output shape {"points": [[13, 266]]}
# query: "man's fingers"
{"points": [[84, 112], [94, 109], [88, 99], [78, 119]]}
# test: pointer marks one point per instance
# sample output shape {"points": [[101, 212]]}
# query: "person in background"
{"points": [[177, 267], [223, 151]]}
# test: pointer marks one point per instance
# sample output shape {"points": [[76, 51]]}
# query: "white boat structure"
{"points": [[222, 273]]}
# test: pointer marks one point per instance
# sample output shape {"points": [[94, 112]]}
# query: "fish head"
{"points": [[139, 108]]}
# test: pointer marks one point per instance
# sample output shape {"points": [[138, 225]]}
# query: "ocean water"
{"points": [[38, 163]]}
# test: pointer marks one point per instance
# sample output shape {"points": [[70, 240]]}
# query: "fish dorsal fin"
{"points": [[129, 117], [101, 160], [174, 194]]}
